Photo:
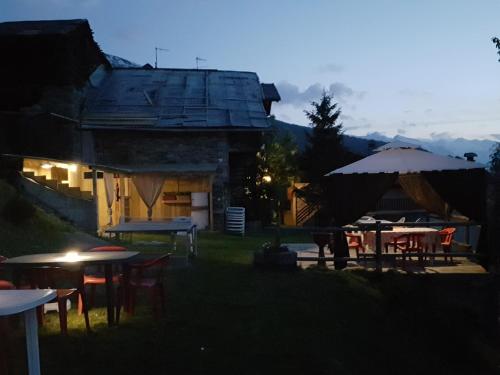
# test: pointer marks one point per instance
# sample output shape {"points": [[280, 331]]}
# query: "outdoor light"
{"points": [[267, 178], [71, 256]]}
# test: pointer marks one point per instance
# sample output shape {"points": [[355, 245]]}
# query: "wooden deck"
{"points": [[459, 265]]}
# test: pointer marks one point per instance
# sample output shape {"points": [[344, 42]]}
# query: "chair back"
{"points": [[108, 248], [447, 235], [353, 238], [156, 264]]}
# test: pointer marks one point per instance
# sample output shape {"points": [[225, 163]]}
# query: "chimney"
{"points": [[470, 156]]}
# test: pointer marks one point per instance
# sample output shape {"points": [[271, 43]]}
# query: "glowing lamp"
{"points": [[267, 178], [71, 256], [46, 166]]}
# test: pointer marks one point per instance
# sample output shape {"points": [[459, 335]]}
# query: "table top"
{"points": [[16, 301], [151, 227], [69, 258], [408, 230]]}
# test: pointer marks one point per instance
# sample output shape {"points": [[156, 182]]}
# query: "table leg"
{"points": [[126, 287], [173, 239], [108, 274], [31, 326], [195, 241]]}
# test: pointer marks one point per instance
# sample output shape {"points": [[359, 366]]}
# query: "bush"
{"points": [[7, 192], [18, 210]]}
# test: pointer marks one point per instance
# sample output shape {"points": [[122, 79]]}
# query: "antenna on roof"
{"points": [[156, 55], [198, 59]]}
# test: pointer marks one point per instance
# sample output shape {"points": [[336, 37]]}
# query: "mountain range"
{"points": [[445, 145]]}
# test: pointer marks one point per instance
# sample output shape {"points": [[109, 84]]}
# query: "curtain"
{"points": [[149, 186], [421, 192], [466, 192], [349, 197], [463, 190], [109, 187]]}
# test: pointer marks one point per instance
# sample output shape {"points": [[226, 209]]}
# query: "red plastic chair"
{"points": [[446, 240], [145, 275], [98, 278], [50, 277], [409, 243], [355, 241], [4, 284]]}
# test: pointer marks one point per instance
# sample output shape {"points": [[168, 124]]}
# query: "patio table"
{"points": [[79, 261], [162, 227], [430, 236], [26, 302]]}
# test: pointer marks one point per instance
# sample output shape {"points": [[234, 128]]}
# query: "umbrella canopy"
{"points": [[405, 160]]}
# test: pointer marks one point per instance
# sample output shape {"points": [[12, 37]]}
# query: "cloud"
{"points": [[414, 93], [357, 127], [428, 110], [330, 68], [442, 135], [496, 136], [346, 117], [401, 131], [291, 94]]}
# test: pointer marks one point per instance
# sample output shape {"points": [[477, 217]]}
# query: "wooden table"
{"points": [[79, 261], [162, 227], [26, 302], [430, 236]]}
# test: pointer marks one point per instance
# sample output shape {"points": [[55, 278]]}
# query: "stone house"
{"points": [[100, 145]]}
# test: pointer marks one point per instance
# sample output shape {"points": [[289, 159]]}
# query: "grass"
{"points": [[226, 317], [43, 231]]}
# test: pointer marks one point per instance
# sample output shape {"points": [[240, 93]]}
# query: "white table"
{"points": [[26, 301], [172, 227], [430, 236]]}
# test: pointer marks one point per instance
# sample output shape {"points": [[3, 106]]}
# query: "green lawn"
{"points": [[226, 317]]}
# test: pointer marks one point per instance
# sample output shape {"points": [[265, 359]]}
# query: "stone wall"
{"points": [[134, 148]]}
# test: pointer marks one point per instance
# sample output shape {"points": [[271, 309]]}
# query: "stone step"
{"points": [[51, 183], [29, 175], [40, 179], [63, 188]]}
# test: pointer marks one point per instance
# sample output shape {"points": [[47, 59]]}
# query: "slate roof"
{"points": [[270, 92], [164, 99], [49, 27]]}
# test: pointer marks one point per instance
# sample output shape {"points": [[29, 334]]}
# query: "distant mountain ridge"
{"points": [[357, 145], [364, 145], [445, 145], [120, 62]]}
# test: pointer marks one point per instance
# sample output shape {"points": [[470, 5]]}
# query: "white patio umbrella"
{"points": [[405, 160]]}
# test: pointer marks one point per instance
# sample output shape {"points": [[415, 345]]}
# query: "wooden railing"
{"points": [[378, 227]]}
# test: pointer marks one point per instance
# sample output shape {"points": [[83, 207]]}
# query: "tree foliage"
{"points": [[495, 160], [324, 151], [496, 41], [276, 171]]}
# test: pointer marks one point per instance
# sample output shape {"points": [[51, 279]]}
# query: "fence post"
{"points": [[378, 246]]}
